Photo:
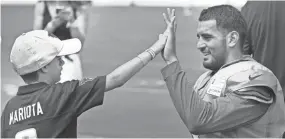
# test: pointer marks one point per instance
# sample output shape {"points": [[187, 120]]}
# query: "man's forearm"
{"points": [[174, 59], [181, 94]]}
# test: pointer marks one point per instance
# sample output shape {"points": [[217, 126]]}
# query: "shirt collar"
{"points": [[244, 58], [30, 88]]}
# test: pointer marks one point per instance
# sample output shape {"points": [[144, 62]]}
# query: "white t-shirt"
{"points": [[71, 70]]}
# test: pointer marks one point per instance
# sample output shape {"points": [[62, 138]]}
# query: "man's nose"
{"points": [[201, 45]]}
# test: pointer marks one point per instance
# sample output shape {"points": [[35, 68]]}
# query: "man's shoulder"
{"points": [[205, 75], [251, 71], [253, 74], [203, 78]]}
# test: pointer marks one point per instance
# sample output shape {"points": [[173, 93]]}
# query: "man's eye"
{"points": [[207, 37]]}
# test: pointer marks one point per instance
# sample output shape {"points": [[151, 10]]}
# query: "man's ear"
{"points": [[232, 38]]}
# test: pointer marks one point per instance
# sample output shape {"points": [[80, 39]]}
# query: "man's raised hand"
{"points": [[169, 52]]}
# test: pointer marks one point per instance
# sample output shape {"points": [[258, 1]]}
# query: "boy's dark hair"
{"points": [[228, 18]]}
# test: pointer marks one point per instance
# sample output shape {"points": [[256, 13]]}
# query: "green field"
{"points": [[142, 107]]}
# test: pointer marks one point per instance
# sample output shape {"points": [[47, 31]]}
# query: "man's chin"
{"points": [[209, 65], [206, 65]]}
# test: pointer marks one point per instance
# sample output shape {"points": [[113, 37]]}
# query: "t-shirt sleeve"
{"points": [[82, 95], [90, 93]]}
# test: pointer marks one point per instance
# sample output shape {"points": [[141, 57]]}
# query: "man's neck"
{"points": [[231, 59], [234, 57]]}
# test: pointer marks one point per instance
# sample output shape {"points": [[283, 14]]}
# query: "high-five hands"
{"points": [[169, 51], [160, 43]]}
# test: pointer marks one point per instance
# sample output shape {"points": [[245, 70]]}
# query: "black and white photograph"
{"points": [[142, 69]]}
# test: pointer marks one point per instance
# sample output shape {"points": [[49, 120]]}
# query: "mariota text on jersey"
{"points": [[26, 112]]}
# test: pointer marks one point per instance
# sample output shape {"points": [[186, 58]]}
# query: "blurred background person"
{"points": [[66, 20], [265, 40]]}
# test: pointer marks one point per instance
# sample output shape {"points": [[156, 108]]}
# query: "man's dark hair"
{"points": [[228, 18]]}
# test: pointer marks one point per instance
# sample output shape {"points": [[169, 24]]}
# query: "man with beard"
{"points": [[237, 97]]}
